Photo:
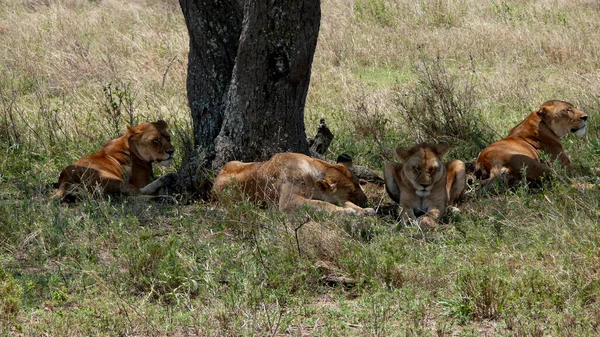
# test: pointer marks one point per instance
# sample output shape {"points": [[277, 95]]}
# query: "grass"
{"points": [[522, 263]]}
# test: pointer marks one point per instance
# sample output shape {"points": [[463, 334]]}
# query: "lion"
{"points": [[423, 184], [105, 171], [292, 180], [520, 151]]}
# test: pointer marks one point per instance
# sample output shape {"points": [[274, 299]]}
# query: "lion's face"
{"points": [[340, 184], [152, 142], [563, 118], [423, 166]]}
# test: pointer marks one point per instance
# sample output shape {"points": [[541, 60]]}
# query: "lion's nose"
{"points": [[583, 118], [424, 185], [170, 152]]}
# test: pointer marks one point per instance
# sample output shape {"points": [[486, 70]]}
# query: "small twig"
{"points": [[297, 239], [260, 257], [164, 78]]}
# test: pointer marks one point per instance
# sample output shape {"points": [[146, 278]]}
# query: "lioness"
{"points": [[422, 184], [540, 131], [105, 170], [292, 180]]}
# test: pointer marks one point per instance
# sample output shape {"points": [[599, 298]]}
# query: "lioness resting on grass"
{"points": [[520, 151], [423, 184], [291, 180], [105, 171]]}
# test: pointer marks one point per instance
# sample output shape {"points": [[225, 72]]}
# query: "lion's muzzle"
{"points": [[580, 131], [166, 162]]}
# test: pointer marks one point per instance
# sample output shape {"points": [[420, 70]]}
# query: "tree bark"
{"points": [[264, 111], [214, 28], [248, 75]]}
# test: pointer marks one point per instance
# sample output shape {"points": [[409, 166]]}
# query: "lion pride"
{"points": [[105, 171], [423, 184], [520, 150], [291, 180]]}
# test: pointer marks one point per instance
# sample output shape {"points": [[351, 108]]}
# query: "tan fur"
{"points": [[423, 184], [105, 170], [540, 131], [292, 180]]}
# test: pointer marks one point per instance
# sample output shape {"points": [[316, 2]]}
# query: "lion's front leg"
{"points": [[456, 180], [391, 173], [433, 207], [427, 222], [431, 218], [351, 205], [407, 214], [167, 180], [291, 198]]}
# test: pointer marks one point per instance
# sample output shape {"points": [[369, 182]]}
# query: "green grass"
{"points": [[382, 77], [521, 263]]}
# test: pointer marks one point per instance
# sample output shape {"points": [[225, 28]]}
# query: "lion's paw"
{"points": [[369, 211], [427, 222]]}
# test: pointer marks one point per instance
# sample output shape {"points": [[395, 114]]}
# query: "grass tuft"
{"points": [[442, 108]]}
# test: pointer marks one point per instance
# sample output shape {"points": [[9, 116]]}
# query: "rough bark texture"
{"points": [[264, 111], [214, 27]]}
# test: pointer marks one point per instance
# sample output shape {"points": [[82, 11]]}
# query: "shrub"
{"points": [[439, 108]]}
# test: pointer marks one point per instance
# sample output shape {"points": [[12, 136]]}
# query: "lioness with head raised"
{"points": [[520, 151], [423, 184], [291, 180], [105, 171]]}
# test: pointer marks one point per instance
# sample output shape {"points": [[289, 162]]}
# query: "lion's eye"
{"points": [[156, 141], [416, 169], [433, 170]]}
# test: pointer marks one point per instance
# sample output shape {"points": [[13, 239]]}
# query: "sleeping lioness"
{"points": [[105, 171], [291, 180], [520, 150], [423, 184]]}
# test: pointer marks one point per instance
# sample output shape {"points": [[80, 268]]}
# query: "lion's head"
{"points": [[563, 118], [423, 166], [340, 184], [151, 142]]}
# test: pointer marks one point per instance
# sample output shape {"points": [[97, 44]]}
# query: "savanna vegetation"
{"points": [[525, 262]]}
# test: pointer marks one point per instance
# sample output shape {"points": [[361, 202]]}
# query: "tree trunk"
{"points": [[264, 111], [214, 27], [248, 75]]}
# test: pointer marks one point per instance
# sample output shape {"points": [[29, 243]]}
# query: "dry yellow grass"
{"points": [[61, 53], [521, 53], [58, 55]]}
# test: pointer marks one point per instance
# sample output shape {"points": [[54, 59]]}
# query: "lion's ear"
{"points": [[345, 160], [132, 130], [160, 124], [402, 153], [324, 185], [442, 149], [542, 112]]}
